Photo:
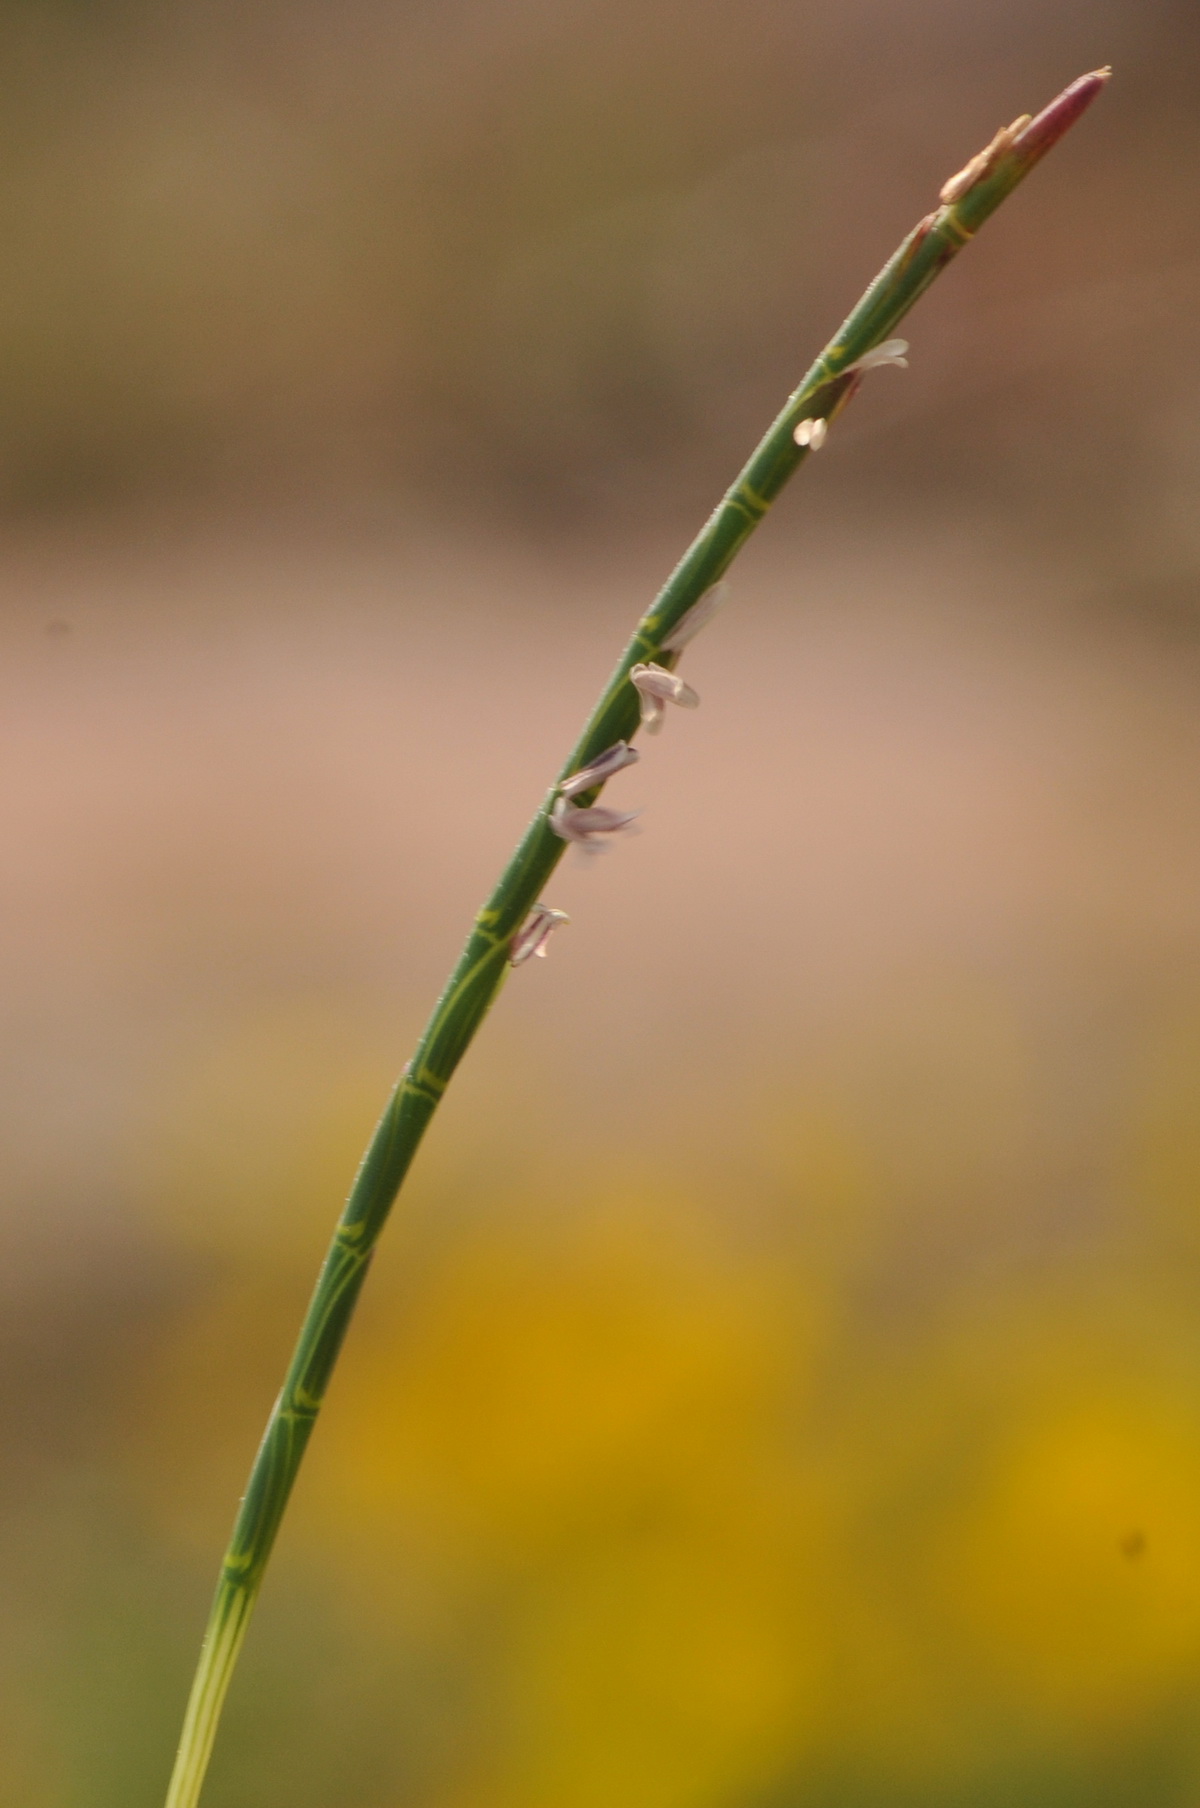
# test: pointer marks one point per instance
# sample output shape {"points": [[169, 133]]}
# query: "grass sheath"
{"points": [[967, 200]]}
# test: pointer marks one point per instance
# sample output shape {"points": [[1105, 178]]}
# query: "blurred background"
{"points": [[780, 1386]]}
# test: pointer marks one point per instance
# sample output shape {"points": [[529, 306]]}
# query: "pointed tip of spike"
{"points": [[1015, 149], [1049, 125]]}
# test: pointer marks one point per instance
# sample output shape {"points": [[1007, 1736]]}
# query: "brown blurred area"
{"points": [[780, 1387]]}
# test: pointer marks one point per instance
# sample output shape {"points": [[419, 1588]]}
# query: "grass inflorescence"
{"points": [[514, 923]]}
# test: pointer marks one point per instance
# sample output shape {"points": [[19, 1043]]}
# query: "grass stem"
{"points": [[967, 201]]}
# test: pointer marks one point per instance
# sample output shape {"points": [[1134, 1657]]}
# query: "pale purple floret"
{"points": [[810, 434], [695, 618], [613, 759], [657, 687], [890, 352], [534, 933], [588, 827]]}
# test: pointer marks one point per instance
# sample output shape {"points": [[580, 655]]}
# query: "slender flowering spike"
{"points": [[534, 933], [613, 759], [655, 687], [475, 981], [587, 827], [697, 617], [890, 352]]}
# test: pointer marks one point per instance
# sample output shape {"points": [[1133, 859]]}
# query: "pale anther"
{"points": [[811, 434], [613, 759], [534, 933], [695, 618], [890, 352], [983, 164], [587, 827], [656, 687]]}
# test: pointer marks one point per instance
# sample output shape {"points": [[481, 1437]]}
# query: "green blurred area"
{"points": [[781, 1385], [632, 1483]]}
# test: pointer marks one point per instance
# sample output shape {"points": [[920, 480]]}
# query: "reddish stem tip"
{"points": [[1060, 115]]}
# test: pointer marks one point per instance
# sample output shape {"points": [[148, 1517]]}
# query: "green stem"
{"points": [[481, 970]]}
